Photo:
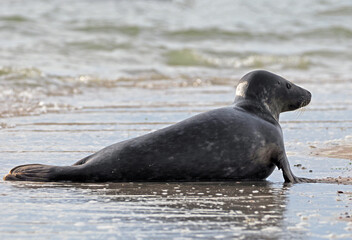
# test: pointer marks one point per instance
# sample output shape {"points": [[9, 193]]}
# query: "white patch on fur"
{"points": [[267, 107], [241, 89]]}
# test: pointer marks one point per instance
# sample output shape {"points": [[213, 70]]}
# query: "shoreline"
{"points": [[338, 151]]}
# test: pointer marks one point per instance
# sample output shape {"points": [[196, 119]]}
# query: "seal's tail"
{"points": [[40, 173]]}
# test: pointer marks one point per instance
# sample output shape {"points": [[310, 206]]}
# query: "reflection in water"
{"points": [[160, 210]]}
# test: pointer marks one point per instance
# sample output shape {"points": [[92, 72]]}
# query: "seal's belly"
{"points": [[206, 160]]}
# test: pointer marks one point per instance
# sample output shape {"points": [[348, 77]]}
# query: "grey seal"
{"points": [[243, 141]]}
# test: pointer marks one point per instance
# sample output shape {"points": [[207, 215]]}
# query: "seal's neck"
{"points": [[261, 109]]}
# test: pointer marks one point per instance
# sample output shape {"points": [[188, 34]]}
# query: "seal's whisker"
{"points": [[301, 111], [298, 113]]}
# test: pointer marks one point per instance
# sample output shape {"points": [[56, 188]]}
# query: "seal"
{"points": [[242, 141]]}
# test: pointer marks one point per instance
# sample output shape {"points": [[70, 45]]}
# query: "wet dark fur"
{"points": [[239, 142]]}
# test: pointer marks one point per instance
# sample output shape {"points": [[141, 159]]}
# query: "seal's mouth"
{"points": [[303, 101]]}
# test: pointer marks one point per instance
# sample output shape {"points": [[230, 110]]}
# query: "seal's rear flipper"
{"points": [[31, 172], [39, 173]]}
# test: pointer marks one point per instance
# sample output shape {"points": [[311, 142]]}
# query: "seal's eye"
{"points": [[288, 85]]}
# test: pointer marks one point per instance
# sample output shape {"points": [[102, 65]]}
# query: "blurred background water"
{"points": [[61, 47], [76, 76]]}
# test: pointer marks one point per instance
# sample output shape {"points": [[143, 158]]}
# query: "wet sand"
{"points": [[337, 151], [343, 151], [244, 210]]}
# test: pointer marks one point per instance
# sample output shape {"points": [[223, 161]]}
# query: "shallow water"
{"points": [[76, 77], [249, 210]]}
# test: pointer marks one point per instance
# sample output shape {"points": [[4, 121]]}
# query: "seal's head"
{"points": [[271, 92]]}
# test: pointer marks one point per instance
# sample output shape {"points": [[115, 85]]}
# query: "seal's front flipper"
{"points": [[305, 180], [287, 173], [40, 173]]}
